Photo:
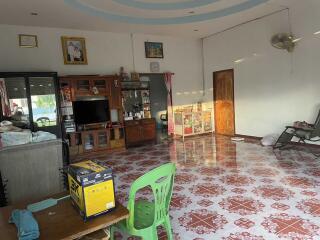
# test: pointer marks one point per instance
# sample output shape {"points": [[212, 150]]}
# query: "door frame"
{"points": [[214, 99]]}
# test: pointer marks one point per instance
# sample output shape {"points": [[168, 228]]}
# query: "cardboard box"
{"points": [[91, 188]]}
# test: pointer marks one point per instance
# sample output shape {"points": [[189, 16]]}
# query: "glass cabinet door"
{"points": [[88, 141], [99, 84], [197, 122], [207, 121], [187, 121], [83, 86], [102, 139]]}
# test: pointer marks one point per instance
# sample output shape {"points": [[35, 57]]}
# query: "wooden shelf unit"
{"points": [[192, 123], [108, 136]]}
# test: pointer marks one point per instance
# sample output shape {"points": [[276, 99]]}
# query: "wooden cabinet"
{"points": [[89, 141], [90, 86], [140, 131], [148, 129], [95, 140], [93, 85]]}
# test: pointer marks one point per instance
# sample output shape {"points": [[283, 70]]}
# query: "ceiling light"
{"points": [[316, 33], [34, 14], [239, 60], [296, 40]]}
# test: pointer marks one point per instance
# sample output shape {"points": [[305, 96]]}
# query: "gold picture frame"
{"points": [[74, 50], [28, 41]]}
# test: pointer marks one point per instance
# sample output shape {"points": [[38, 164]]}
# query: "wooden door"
{"points": [[148, 132], [223, 87], [133, 132]]}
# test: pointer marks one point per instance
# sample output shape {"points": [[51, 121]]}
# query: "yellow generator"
{"points": [[91, 188]]}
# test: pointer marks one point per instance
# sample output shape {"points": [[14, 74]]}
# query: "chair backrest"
{"points": [[316, 132], [161, 181], [164, 117]]}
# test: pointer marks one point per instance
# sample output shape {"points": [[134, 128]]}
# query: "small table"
{"points": [[61, 221]]}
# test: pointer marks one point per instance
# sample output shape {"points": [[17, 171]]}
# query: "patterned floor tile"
{"points": [[228, 191], [202, 221], [291, 227]]}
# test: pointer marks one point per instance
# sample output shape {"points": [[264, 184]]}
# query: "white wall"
{"points": [[273, 88], [106, 53]]}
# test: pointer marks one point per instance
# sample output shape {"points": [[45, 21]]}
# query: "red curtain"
{"points": [[168, 81], [4, 99]]}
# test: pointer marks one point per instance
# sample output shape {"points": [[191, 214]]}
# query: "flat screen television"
{"points": [[93, 111]]}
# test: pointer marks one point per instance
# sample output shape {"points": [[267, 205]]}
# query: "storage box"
{"points": [[91, 188]]}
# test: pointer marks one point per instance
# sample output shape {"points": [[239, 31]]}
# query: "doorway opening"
{"points": [[159, 103], [223, 99]]}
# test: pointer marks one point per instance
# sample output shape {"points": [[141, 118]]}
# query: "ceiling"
{"points": [[190, 18]]}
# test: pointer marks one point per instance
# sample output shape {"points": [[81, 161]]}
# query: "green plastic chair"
{"points": [[145, 216]]}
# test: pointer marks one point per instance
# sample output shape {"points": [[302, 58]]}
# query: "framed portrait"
{"points": [[28, 41], [74, 50], [153, 49]]}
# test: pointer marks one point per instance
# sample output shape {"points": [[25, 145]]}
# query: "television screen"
{"points": [[95, 111]]}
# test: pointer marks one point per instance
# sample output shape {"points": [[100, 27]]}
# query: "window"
{"points": [[18, 101], [43, 102], [31, 101]]}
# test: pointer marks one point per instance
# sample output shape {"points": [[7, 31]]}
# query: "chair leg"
{"points": [[151, 234], [112, 230], [167, 226]]}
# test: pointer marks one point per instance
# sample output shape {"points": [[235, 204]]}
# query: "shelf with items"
{"points": [[136, 99], [192, 123]]}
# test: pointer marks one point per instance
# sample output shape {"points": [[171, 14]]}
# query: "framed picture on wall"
{"points": [[153, 49], [74, 50], [28, 41]]}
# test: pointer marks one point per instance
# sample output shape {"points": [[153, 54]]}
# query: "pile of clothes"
{"points": [[11, 135], [26, 224]]}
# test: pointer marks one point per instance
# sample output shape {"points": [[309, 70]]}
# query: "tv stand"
{"points": [[97, 137], [87, 142], [93, 126]]}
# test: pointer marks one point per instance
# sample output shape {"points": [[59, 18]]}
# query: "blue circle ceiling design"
{"points": [[246, 5], [165, 6]]}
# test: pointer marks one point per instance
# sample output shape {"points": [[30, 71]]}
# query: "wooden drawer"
{"points": [[148, 121], [132, 123], [133, 133], [148, 132]]}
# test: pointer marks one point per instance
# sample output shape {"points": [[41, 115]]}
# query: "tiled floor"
{"points": [[231, 191]]}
